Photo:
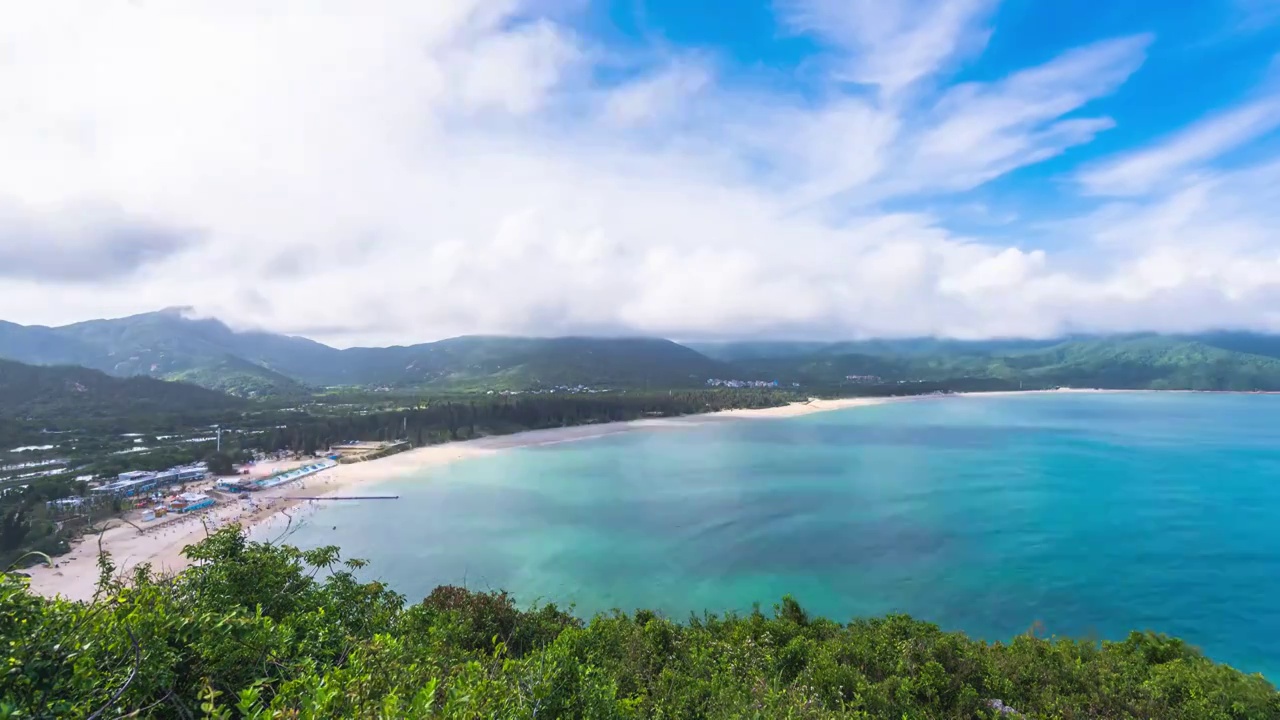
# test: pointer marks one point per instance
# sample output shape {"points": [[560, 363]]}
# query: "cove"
{"points": [[1082, 514]]}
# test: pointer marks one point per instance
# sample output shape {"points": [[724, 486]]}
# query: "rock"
{"points": [[1005, 710]]}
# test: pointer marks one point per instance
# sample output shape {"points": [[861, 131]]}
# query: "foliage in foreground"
{"points": [[260, 631]]}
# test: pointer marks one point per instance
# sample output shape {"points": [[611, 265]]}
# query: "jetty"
{"points": [[344, 497]]}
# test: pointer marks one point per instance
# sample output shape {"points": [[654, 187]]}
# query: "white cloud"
{"points": [[484, 70], [893, 44], [657, 95], [987, 130], [418, 170], [1168, 160]]}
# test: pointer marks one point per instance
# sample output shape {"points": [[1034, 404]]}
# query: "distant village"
{"points": [[717, 382], [570, 389], [865, 379], [854, 379]]}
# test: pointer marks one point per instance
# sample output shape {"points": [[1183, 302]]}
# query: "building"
{"points": [[188, 473], [190, 502], [864, 379], [717, 382], [236, 484], [132, 483], [129, 484]]}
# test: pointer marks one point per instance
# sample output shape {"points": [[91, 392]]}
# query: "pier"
{"points": [[344, 497]]}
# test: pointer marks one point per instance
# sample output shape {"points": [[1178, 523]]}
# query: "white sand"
{"points": [[75, 574], [804, 408]]}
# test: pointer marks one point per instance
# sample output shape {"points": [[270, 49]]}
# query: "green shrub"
{"points": [[258, 631]]}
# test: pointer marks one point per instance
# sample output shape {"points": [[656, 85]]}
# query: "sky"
{"points": [[397, 171]]}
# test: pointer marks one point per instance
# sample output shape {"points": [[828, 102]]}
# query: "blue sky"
{"points": [[396, 171]]}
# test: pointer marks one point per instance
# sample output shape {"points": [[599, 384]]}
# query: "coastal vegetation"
{"points": [[261, 631]]}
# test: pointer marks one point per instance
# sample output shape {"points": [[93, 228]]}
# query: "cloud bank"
{"points": [[401, 171]]}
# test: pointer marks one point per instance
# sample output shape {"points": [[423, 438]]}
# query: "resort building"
{"points": [[132, 483]]}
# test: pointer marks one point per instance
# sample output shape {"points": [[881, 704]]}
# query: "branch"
{"points": [[139, 711], [137, 663], [178, 704], [288, 525]]}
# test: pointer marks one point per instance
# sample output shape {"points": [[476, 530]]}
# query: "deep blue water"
{"points": [[1090, 514]]}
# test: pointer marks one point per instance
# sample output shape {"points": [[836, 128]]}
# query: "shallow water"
{"points": [[1091, 514]]}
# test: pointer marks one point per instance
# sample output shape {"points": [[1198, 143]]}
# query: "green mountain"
{"points": [[38, 345], [908, 347], [29, 391], [1252, 343], [757, 349], [169, 346], [161, 345], [511, 362], [1135, 361], [239, 377]]}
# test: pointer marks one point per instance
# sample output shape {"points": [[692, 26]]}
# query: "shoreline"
{"points": [[74, 574]]}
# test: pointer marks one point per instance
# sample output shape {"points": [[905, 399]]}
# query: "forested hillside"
{"points": [[258, 631], [1132, 362], [171, 346], [161, 345], [62, 392], [241, 378]]}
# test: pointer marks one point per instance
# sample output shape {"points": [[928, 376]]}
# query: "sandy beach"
{"points": [[74, 575], [803, 408]]}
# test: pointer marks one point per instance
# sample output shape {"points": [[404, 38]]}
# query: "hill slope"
{"points": [[37, 345], [169, 346], [1137, 362], [28, 391], [507, 362]]}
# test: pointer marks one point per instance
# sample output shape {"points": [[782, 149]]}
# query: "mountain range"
{"points": [[169, 345]]}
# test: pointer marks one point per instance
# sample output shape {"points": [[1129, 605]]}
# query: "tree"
{"points": [[14, 525], [220, 464]]}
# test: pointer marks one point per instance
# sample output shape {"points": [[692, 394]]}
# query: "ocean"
{"points": [[1079, 514]]}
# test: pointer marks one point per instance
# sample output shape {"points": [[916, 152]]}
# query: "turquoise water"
{"points": [[1091, 514]]}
